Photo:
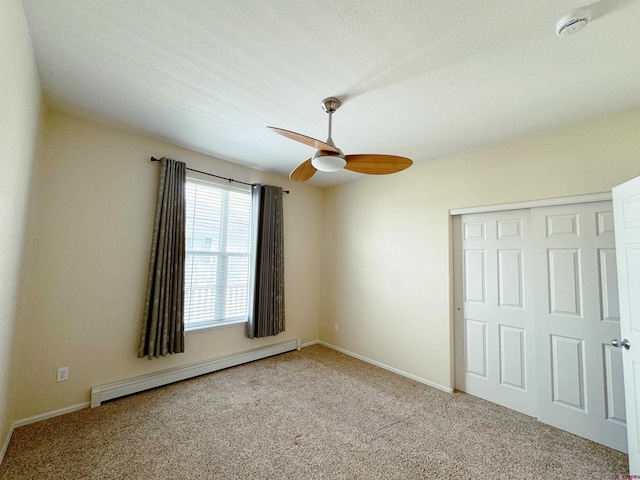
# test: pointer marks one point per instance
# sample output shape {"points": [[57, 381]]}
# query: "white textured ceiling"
{"points": [[418, 78]]}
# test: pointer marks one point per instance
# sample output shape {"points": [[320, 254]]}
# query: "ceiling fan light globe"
{"points": [[328, 163]]}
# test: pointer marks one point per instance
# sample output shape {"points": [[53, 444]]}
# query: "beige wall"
{"points": [[373, 256], [87, 259], [19, 117], [387, 255]]}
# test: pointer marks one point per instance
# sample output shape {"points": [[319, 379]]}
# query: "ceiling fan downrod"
{"points": [[323, 160], [330, 105]]}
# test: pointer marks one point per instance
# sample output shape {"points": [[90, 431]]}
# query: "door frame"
{"points": [[549, 202]]}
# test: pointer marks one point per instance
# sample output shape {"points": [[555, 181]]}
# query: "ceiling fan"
{"points": [[329, 158]]}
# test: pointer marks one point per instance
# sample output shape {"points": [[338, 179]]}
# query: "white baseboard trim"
{"points": [[308, 344], [37, 418], [387, 367], [46, 415], [112, 390], [5, 445]]}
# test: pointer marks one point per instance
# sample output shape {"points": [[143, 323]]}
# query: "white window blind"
{"points": [[217, 255]]}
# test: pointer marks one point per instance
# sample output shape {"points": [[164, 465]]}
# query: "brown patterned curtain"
{"points": [[163, 325], [266, 301]]}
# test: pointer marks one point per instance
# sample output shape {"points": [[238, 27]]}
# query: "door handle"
{"points": [[624, 343]]}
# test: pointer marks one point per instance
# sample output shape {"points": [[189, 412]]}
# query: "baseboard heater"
{"points": [[109, 391]]}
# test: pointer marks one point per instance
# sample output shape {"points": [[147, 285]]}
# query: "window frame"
{"points": [[220, 273]]}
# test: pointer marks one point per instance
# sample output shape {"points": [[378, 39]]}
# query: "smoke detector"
{"points": [[573, 22]]}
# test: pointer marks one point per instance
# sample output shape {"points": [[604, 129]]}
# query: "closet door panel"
{"points": [[579, 377], [494, 338]]}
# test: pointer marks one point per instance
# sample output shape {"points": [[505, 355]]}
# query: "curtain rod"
{"points": [[154, 159]]}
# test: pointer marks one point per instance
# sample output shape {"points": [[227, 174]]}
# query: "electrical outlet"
{"points": [[63, 374], [336, 327]]}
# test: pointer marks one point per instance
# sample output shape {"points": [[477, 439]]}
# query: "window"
{"points": [[217, 255]]}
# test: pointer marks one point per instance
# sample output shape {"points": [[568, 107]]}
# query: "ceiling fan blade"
{"points": [[311, 142], [376, 164], [304, 172]]}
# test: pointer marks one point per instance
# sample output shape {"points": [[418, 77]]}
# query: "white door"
{"points": [[580, 381], [626, 205], [494, 315]]}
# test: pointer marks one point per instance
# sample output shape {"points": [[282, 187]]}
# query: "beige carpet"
{"points": [[311, 414]]}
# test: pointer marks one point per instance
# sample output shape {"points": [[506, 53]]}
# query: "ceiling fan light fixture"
{"points": [[328, 162]]}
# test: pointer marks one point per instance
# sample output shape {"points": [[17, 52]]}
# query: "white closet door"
{"points": [[494, 314], [580, 381]]}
